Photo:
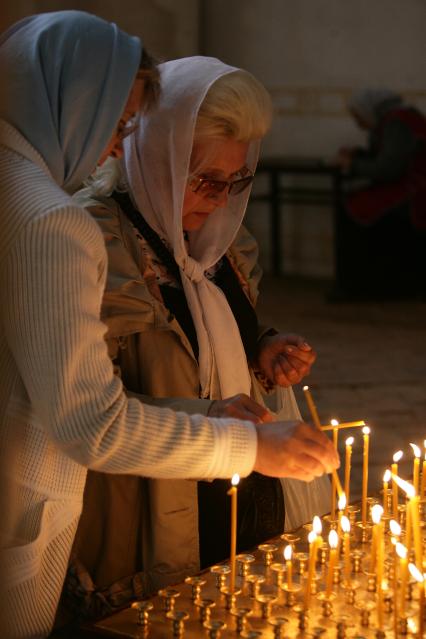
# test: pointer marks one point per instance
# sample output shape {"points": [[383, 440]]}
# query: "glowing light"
{"points": [[366, 430], [333, 539], [316, 525], [312, 536], [405, 486], [288, 551], [376, 513], [345, 524], [334, 422], [349, 441], [341, 504], [416, 450], [415, 573], [395, 528], [387, 475], [235, 479], [401, 550], [397, 456]]}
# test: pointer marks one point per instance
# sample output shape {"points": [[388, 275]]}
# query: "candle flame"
{"points": [[333, 539], [312, 536], [334, 422], [349, 441], [341, 504], [385, 584], [416, 450], [405, 486], [415, 572], [316, 525], [412, 626], [386, 475], [397, 456], [306, 388], [288, 551], [394, 541], [235, 479], [401, 550], [395, 528], [366, 430], [376, 513], [345, 524]]}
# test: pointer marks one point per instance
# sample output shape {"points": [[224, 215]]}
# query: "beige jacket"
{"points": [[154, 358]]}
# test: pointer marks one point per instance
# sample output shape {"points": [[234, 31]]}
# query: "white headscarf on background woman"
{"points": [[372, 103], [157, 166]]}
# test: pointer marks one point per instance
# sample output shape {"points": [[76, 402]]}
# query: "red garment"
{"points": [[369, 205]]}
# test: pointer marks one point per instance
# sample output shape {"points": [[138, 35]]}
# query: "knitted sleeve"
{"points": [[52, 286]]}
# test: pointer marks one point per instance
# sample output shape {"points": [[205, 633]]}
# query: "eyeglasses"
{"points": [[208, 187]]}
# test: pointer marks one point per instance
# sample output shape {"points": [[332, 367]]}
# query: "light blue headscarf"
{"points": [[65, 78]]}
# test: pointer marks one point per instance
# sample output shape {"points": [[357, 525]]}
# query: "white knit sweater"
{"points": [[61, 409]]}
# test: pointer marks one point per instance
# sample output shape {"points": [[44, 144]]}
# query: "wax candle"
{"points": [[397, 456], [312, 407], [379, 568], [401, 551], [346, 528], [357, 424], [416, 467], [233, 494], [395, 529], [423, 484], [420, 578], [348, 456], [386, 478], [366, 437], [376, 515], [333, 541], [412, 519], [315, 542], [288, 551]]}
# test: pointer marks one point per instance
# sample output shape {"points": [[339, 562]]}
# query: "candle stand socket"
{"points": [[365, 608], [254, 582], [337, 574], [302, 616], [352, 515], [402, 512], [196, 584], [230, 597], [169, 595], [357, 556], [215, 627], [371, 581], [364, 532], [278, 569], [243, 563], [278, 624], [241, 615], [402, 625], [220, 573], [326, 603], [350, 589], [290, 538], [323, 554], [302, 558], [290, 594], [331, 522], [143, 609], [266, 601], [268, 552], [205, 609], [178, 618], [314, 585]]}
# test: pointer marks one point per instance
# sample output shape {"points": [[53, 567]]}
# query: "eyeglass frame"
{"points": [[226, 183]]}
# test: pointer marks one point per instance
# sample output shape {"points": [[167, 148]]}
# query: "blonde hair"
{"points": [[236, 106]]}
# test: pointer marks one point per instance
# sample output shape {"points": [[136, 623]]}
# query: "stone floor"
{"points": [[371, 365]]}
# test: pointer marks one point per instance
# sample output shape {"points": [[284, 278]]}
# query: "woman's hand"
{"points": [[240, 406], [285, 359]]}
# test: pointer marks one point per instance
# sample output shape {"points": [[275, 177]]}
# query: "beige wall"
{"points": [[311, 54], [168, 28]]}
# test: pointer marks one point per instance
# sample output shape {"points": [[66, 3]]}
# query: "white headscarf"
{"points": [[157, 165], [371, 103]]}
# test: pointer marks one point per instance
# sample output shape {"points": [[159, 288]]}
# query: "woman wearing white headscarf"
{"points": [[179, 306], [66, 79], [385, 221]]}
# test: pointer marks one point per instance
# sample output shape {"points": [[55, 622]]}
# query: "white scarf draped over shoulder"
{"points": [[156, 166]]}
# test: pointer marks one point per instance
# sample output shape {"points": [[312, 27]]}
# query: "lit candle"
{"points": [[412, 516], [341, 505], [386, 478], [397, 456], [366, 436], [420, 578], [423, 485], [416, 467], [315, 541], [342, 425], [380, 555], [395, 529], [333, 541], [348, 444], [376, 515], [233, 493], [335, 424], [312, 407], [346, 528], [287, 556], [401, 551]]}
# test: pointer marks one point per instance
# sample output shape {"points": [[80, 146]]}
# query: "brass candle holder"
{"points": [[365, 608], [290, 594], [278, 624], [230, 597], [196, 584], [266, 600], [169, 595], [241, 615], [268, 553], [326, 601], [215, 627], [143, 609], [364, 532], [254, 582], [205, 608], [302, 558], [178, 618], [243, 563], [220, 572], [278, 570]]}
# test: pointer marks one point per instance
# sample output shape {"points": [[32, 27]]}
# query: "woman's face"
{"points": [[226, 160], [133, 106]]}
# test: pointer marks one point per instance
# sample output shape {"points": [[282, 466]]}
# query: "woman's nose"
{"points": [[221, 198]]}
